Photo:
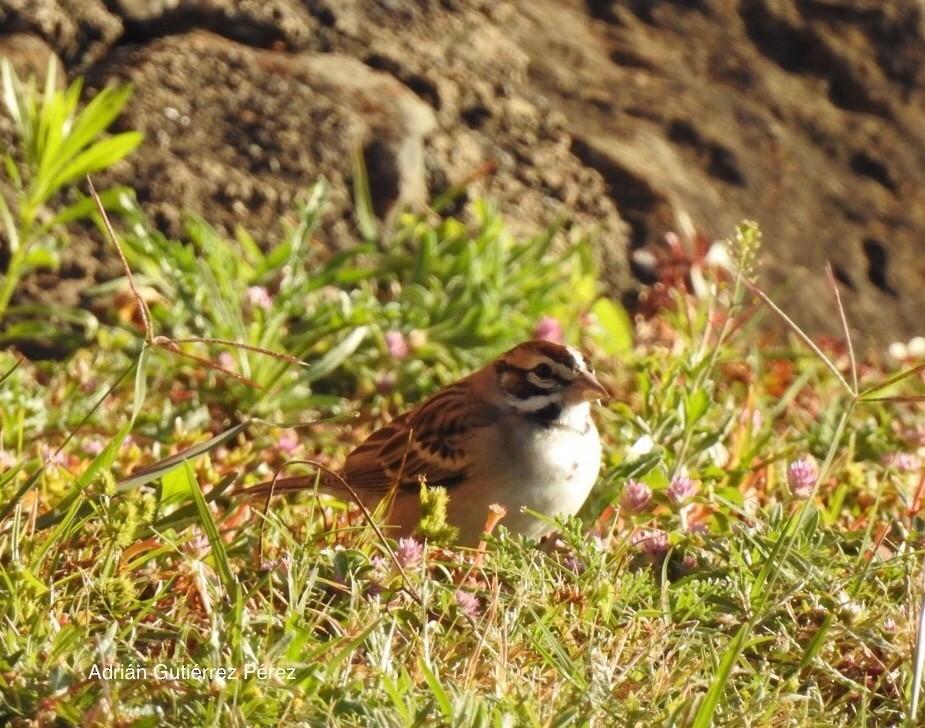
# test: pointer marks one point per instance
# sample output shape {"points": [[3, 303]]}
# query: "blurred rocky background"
{"points": [[631, 116]]}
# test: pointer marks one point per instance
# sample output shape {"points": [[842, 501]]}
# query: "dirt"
{"points": [[633, 117]]}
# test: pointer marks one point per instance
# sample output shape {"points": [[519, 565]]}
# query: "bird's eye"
{"points": [[543, 371]]}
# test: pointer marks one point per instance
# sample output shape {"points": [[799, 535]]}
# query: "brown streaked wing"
{"points": [[428, 441]]}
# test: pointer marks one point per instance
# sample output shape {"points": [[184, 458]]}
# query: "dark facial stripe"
{"points": [[547, 415], [547, 378], [515, 382]]}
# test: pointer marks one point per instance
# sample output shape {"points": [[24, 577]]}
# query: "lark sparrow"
{"points": [[517, 432]]}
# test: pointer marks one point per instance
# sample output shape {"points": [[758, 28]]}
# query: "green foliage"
{"points": [[434, 526], [480, 288], [455, 294], [216, 289], [57, 147]]}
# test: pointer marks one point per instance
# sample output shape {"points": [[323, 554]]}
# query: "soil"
{"points": [[635, 118]]}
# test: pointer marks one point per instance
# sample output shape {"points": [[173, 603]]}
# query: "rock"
{"points": [[30, 57], [802, 116], [80, 31], [271, 126]]}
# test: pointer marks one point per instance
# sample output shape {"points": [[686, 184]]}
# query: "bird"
{"points": [[518, 433]]}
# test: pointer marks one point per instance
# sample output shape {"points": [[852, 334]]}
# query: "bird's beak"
{"points": [[590, 388]]}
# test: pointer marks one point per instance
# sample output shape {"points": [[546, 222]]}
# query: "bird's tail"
{"points": [[324, 483]]}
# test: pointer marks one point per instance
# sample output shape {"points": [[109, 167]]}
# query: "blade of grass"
{"points": [[918, 662], [707, 708], [830, 275], [158, 469], [141, 381], [187, 514], [444, 703], [815, 644], [362, 197], [219, 555], [337, 355]]}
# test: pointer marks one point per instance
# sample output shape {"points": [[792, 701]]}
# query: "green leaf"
{"points": [[96, 118], [54, 326], [12, 172], [189, 513], [336, 356], [90, 123], [363, 199], [251, 250], [158, 469], [208, 525], [9, 372], [141, 381], [617, 326], [696, 404], [107, 456], [9, 227], [707, 708], [12, 95], [176, 486], [42, 255], [111, 198], [54, 117], [440, 695], [103, 154], [31, 579], [816, 643]]}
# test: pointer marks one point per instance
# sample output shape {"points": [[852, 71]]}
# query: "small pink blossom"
{"points": [[681, 489], [801, 477], [653, 543], [573, 564], [281, 563], [380, 565], [410, 552], [385, 383], [288, 442], [226, 360], [635, 497], [7, 460], [53, 458], [198, 546], [396, 344], [549, 329], [903, 462], [93, 446], [468, 603], [259, 297], [915, 435]]}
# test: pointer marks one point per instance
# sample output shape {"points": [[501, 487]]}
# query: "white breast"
{"points": [[550, 470]]}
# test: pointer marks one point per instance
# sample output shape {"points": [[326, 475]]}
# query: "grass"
{"points": [[704, 583], [768, 609]]}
